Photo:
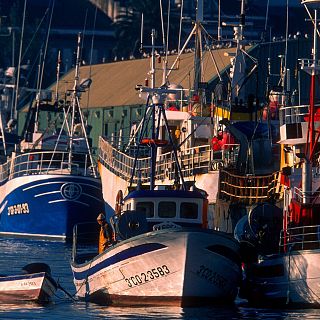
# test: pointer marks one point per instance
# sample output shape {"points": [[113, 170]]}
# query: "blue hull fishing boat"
{"points": [[50, 182], [48, 205]]}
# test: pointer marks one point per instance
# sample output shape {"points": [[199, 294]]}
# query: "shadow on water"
{"points": [[15, 253]]}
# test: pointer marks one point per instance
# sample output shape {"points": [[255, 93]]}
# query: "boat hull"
{"points": [[167, 267], [289, 279], [38, 287], [48, 206]]}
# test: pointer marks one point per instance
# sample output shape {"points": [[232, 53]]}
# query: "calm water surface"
{"points": [[15, 253]]}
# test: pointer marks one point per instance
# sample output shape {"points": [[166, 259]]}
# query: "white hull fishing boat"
{"points": [[289, 274], [167, 267], [32, 286], [172, 265], [232, 161], [164, 253]]}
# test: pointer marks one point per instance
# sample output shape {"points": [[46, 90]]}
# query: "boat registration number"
{"points": [[21, 208], [212, 276], [147, 276]]}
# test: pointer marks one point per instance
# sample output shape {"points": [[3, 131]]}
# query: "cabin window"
{"points": [[167, 209], [147, 208], [189, 210]]}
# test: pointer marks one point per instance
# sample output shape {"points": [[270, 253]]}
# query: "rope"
{"points": [[65, 291], [288, 287]]}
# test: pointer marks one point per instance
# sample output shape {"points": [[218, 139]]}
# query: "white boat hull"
{"points": [[292, 279], [167, 267], [31, 287]]}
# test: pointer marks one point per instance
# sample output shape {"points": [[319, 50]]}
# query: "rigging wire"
{"points": [[286, 48], [168, 30], [91, 53], [180, 26], [46, 45], [14, 109], [83, 33], [162, 25], [34, 34], [266, 20]]}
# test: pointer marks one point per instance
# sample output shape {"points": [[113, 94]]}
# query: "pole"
{"points": [[153, 129]]}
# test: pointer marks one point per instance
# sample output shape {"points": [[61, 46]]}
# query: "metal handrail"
{"points": [[200, 159], [45, 162], [302, 196], [293, 114], [300, 238], [4, 171]]}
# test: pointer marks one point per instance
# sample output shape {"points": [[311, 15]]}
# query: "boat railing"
{"points": [[196, 160], [300, 238], [245, 189], [276, 188], [4, 171], [85, 241], [47, 162], [305, 196], [309, 63], [293, 114]]}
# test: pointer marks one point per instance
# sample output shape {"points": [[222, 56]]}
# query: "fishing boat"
{"points": [[287, 273], [50, 182], [224, 148], [164, 253], [34, 284], [170, 265]]}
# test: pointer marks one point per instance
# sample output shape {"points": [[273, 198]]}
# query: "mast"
{"points": [[219, 21], [312, 67], [157, 97], [153, 132], [198, 47], [74, 98], [238, 62], [58, 75]]}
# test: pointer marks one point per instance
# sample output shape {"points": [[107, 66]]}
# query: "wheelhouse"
{"points": [[185, 208]]}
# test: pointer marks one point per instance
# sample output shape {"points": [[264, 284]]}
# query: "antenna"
{"points": [[219, 21], [74, 95], [58, 75], [141, 33]]}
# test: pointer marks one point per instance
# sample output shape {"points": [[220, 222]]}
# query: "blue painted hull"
{"points": [[49, 206]]}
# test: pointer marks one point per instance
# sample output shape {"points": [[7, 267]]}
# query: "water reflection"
{"points": [[15, 253]]}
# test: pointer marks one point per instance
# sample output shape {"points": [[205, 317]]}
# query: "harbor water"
{"points": [[15, 253]]}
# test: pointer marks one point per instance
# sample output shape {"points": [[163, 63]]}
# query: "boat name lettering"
{"points": [[28, 283], [212, 276], [147, 276], [21, 208], [216, 165]]}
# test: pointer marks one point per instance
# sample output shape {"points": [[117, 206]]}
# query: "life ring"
{"points": [[157, 142], [119, 202]]}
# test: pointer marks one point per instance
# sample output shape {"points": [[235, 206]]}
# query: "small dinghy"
{"points": [[33, 284]]}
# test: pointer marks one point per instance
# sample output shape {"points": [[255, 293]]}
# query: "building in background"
{"points": [[112, 106]]}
